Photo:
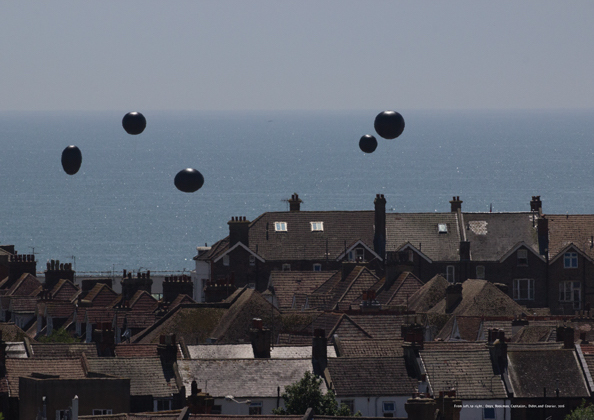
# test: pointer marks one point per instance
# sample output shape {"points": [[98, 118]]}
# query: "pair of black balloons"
{"points": [[187, 180], [388, 124]]}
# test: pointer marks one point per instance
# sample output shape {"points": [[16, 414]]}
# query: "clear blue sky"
{"points": [[220, 54]]}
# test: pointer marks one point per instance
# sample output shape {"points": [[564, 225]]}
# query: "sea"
{"points": [[123, 211]]}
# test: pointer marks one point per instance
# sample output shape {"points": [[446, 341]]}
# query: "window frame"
{"points": [[492, 409], [255, 408], [522, 256], [393, 410], [317, 267], [101, 411], [570, 260], [281, 227], [517, 289], [451, 278], [569, 290]]}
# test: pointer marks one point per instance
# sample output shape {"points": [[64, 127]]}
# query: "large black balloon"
{"points": [[389, 124], [71, 160], [134, 123], [189, 180], [368, 143]]}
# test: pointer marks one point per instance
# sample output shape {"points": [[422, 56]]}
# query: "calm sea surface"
{"points": [[122, 211]]}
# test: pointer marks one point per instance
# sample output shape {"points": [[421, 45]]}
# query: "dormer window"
{"points": [[317, 226], [280, 226], [442, 228], [523, 257], [570, 260]]}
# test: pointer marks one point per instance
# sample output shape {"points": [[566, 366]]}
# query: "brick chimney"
{"points": [[497, 349], [167, 349], [199, 402], [319, 352], [260, 338], [173, 286], [536, 204], [379, 238], [449, 405], [420, 408], [131, 284], [19, 264], [464, 251], [295, 203], [239, 231], [566, 335], [453, 296], [55, 272], [456, 204]]}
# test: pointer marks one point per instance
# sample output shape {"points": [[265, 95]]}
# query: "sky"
{"points": [[296, 55]]}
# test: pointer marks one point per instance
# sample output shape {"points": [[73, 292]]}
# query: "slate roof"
{"points": [[566, 229], [245, 351], [381, 326], [370, 348], [405, 286], [299, 242], [243, 378], [288, 283], [140, 350], [467, 370], [531, 371], [421, 231], [428, 295], [461, 328], [492, 235], [534, 333], [482, 298], [147, 375], [358, 281], [369, 377], [64, 368], [62, 351]]}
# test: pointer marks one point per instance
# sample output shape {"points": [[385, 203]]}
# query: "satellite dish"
{"points": [[389, 124], [188, 180], [368, 143], [134, 123], [71, 160]]}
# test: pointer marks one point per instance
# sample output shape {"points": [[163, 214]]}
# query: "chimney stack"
{"points": [[239, 231], [319, 352], [260, 338], [453, 296], [464, 251], [379, 238], [536, 204], [456, 204], [566, 335], [295, 202]]}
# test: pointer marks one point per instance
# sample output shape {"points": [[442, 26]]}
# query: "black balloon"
{"points": [[389, 124], [134, 123], [368, 143], [189, 180], [71, 160]]}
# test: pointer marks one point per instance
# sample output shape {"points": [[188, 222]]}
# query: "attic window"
{"points": [[442, 228], [317, 226], [280, 226]]}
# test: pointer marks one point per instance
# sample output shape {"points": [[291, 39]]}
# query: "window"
{"points": [[226, 260], [350, 404], [442, 228], [255, 409], [101, 411], [489, 413], [524, 289], [162, 404], [450, 272], [570, 260], [359, 254], [317, 267], [317, 226], [571, 291], [286, 267], [389, 407], [62, 414], [480, 271], [280, 226], [523, 257], [252, 260]]}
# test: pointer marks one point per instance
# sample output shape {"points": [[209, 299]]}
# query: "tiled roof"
{"points": [[358, 281], [368, 377], [24, 286], [421, 231], [147, 375], [143, 302], [100, 314], [428, 295], [62, 351], [533, 333], [482, 298], [469, 371], [380, 326], [244, 378], [370, 348], [140, 350], [405, 286], [461, 328], [492, 235], [531, 371], [101, 295], [245, 351], [179, 300], [55, 308], [288, 283], [64, 368], [571, 229], [27, 304], [10, 332], [64, 290]]}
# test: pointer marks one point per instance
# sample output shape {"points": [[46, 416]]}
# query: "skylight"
{"points": [[280, 226], [442, 228]]}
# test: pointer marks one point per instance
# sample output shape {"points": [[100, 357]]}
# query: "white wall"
{"points": [[373, 406], [199, 278], [473, 409], [233, 408]]}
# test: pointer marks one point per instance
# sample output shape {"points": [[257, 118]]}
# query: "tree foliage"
{"points": [[307, 393], [58, 336], [583, 412]]}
